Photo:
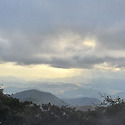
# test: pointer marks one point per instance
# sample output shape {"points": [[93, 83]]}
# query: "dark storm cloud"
{"points": [[54, 32]]}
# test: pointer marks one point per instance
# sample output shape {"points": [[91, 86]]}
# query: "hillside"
{"points": [[14, 112], [39, 97], [83, 101]]}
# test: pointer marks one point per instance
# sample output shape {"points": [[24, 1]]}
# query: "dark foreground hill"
{"points": [[83, 101], [39, 97], [14, 112]]}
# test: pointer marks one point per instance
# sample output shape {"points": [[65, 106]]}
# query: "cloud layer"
{"points": [[68, 34]]}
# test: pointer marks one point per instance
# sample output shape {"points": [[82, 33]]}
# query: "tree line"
{"points": [[13, 112]]}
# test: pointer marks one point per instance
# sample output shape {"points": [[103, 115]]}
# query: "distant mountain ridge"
{"points": [[85, 101], [60, 90], [39, 97], [119, 94]]}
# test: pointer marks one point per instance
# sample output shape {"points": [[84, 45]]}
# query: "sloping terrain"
{"points": [[83, 101], [39, 97]]}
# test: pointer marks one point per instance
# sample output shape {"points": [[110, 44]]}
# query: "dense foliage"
{"points": [[14, 112]]}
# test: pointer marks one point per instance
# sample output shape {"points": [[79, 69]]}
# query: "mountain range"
{"points": [[106, 85], [40, 97]]}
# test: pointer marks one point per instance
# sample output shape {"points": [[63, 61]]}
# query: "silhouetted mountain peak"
{"points": [[39, 97]]}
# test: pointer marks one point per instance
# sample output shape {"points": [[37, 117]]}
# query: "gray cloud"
{"points": [[53, 32], [41, 15], [113, 37]]}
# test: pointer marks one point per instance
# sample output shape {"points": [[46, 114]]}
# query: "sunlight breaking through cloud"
{"points": [[90, 43]]}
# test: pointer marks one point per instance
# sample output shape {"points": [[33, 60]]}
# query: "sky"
{"points": [[55, 39]]}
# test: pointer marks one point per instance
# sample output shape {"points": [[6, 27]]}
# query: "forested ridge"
{"points": [[14, 112]]}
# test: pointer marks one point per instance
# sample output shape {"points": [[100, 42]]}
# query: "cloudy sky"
{"points": [[55, 39]]}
